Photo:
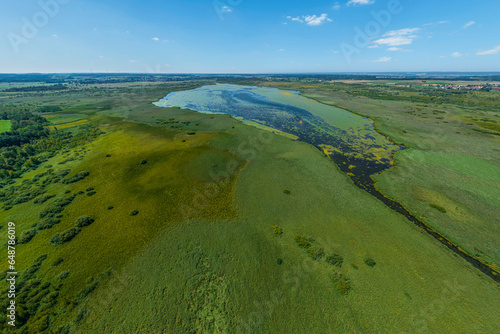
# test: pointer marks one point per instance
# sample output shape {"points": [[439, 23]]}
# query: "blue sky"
{"points": [[249, 36]]}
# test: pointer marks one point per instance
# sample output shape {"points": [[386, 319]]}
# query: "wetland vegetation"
{"points": [[143, 218]]}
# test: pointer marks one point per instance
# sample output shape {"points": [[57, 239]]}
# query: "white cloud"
{"points": [[398, 37], [373, 46], [55, 36], [443, 22], [493, 51], [281, 50], [393, 48], [335, 51], [132, 61], [226, 9], [311, 20], [457, 54], [360, 2], [382, 60], [155, 39], [336, 6], [468, 24]]}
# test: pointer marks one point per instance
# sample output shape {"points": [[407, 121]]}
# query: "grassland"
{"points": [[5, 126], [201, 255]]}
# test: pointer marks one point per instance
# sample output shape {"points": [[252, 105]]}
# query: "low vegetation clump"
{"points": [[277, 230], [144, 161], [279, 261], [335, 260], [287, 192], [342, 283], [57, 206], [370, 262], [438, 207], [43, 199], [62, 275], [83, 221], [47, 224], [60, 238], [302, 241], [76, 177], [57, 262], [315, 252], [110, 207], [91, 193], [134, 213], [26, 236]]}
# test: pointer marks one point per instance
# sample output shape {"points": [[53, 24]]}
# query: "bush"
{"points": [[279, 261], [287, 192], [342, 283], [91, 193], [84, 221], [370, 262], [335, 260], [26, 236], [60, 238], [57, 262], [277, 230], [62, 275], [302, 241], [134, 212], [143, 162], [76, 177], [110, 207], [43, 199], [316, 253], [90, 188], [47, 224], [438, 207]]}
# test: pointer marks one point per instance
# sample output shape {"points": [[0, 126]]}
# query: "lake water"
{"points": [[350, 140]]}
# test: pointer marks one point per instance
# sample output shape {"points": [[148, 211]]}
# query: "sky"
{"points": [[249, 36]]}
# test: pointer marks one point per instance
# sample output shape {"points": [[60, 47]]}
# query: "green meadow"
{"points": [[5, 126], [173, 221]]}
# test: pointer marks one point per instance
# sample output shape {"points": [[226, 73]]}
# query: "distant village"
{"points": [[464, 87]]}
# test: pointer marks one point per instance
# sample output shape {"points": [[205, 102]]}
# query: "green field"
{"points": [[5, 126], [188, 210]]}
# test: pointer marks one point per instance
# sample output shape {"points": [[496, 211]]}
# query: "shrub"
{"points": [[143, 162], [279, 261], [277, 230], [43, 199], [86, 290], [134, 212], [316, 253], [62, 275], [47, 223], [26, 236], [60, 238], [76, 177], [90, 188], [110, 207], [286, 191], [91, 193], [335, 260], [438, 207], [354, 265], [342, 283], [57, 262], [84, 221], [370, 262], [302, 241]]}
